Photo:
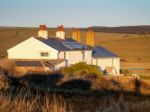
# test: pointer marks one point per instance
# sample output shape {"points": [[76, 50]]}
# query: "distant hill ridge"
{"points": [[142, 29]]}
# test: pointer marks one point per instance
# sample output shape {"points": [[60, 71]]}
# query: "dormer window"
{"points": [[44, 54]]}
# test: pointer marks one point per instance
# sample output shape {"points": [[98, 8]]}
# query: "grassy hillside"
{"points": [[132, 48], [58, 92]]}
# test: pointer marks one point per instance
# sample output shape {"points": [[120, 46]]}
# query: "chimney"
{"points": [[43, 32], [90, 37], [60, 32], [76, 34]]}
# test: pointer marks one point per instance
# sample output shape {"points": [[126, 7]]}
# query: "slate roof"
{"points": [[36, 62], [69, 40], [99, 51], [28, 63], [58, 43]]}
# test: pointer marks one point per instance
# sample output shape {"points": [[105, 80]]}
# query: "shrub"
{"points": [[3, 81], [125, 72], [7, 65], [82, 68]]}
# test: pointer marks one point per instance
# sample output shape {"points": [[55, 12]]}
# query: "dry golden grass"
{"points": [[36, 104], [57, 93], [132, 48], [125, 83], [7, 65], [26, 101], [122, 44]]}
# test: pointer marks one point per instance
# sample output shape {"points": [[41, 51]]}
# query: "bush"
{"points": [[82, 68], [7, 65], [125, 72], [3, 81]]}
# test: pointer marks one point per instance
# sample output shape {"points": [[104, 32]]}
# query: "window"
{"points": [[44, 54]]}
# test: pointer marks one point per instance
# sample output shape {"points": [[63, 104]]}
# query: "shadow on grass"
{"points": [[50, 80], [55, 84], [78, 84]]}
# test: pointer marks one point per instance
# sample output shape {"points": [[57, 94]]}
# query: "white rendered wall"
{"points": [[30, 49], [107, 62], [77, 56], [61, 55], [74, 57], [88, 57]]}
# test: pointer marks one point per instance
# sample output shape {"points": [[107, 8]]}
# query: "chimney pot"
{"points": [[90, 29], [42, 27], [62, 28]]}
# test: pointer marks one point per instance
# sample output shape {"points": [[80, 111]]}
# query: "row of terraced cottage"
{"points": [[44, 52]]}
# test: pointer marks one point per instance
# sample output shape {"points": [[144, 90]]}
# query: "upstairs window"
{"points": [[44, 54]]}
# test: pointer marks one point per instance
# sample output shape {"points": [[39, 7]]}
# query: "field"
{"points": [[132, 48]]}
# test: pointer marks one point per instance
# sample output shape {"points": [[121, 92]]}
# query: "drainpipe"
{"points": [[66, 58], [83, 54], [58, 54]]}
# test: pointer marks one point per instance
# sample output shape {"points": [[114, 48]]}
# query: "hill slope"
{"points": [[132, 48]]}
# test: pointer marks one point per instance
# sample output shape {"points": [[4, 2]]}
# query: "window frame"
{"points": [[44, 54]]}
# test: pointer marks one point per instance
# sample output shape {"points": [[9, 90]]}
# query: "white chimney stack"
{"points": [[43, 32], [60, 33]]}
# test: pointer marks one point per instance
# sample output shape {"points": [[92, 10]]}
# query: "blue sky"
{"points": [[77, 13]]}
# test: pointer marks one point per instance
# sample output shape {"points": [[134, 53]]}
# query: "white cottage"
{"points": [[57, 52], [106, 60]]}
